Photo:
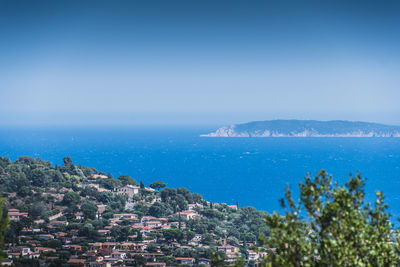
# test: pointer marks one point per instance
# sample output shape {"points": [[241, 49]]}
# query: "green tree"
{"points": [[152, 248], [89, 210], [71, 198], [140, 260], [4, 162], [190, 235], [54, 243], [88, 230], [125, 180], [120, 233], [207, 239], [158, 185], [173, 234], [336, 227], [239, 262], [111, 183], [4, 220], [70, 167], [40, 177], [37, 210], [159, 210], [217, 259], [24, 262], [169, 260], [197, 198]]}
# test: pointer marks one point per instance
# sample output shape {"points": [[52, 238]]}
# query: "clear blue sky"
{"points": [[198, 62]]}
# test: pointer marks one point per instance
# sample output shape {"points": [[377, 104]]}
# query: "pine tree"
{"points": [[336, 227], [4, 222]]}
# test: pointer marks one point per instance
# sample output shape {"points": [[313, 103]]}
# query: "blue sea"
{"points": [[251, 171]]}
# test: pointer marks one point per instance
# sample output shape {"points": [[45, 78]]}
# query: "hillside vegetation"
{"points": [[79, 206]]}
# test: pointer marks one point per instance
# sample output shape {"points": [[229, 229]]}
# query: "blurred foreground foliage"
{"points": [[331, 225]]}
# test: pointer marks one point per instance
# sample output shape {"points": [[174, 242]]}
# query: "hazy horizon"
{"points": [[198, 63]]}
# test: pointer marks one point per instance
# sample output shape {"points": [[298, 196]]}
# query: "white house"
{"points": [[252, 255], [118, 255], [128, 216], [194, 206], [129, 190], [188, 214]]}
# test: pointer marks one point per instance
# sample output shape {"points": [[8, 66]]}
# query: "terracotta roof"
{"points": [[183, 258], [76, 261]]}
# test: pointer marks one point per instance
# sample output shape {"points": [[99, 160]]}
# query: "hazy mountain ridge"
{"points": [[306, 128]]}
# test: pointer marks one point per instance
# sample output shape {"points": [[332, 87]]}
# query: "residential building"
{"points": [[16, 215], [129, 190]]}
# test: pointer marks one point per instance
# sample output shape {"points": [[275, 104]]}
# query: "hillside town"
{"points": [[72, 215]]}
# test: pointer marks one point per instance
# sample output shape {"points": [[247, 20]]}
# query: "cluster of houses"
{"points": [[109, 252]]}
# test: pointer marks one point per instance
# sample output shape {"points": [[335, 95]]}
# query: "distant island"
{"points": [[306, 128]]}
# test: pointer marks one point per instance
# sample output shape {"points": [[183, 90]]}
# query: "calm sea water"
{"points": [[252, 171]]}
